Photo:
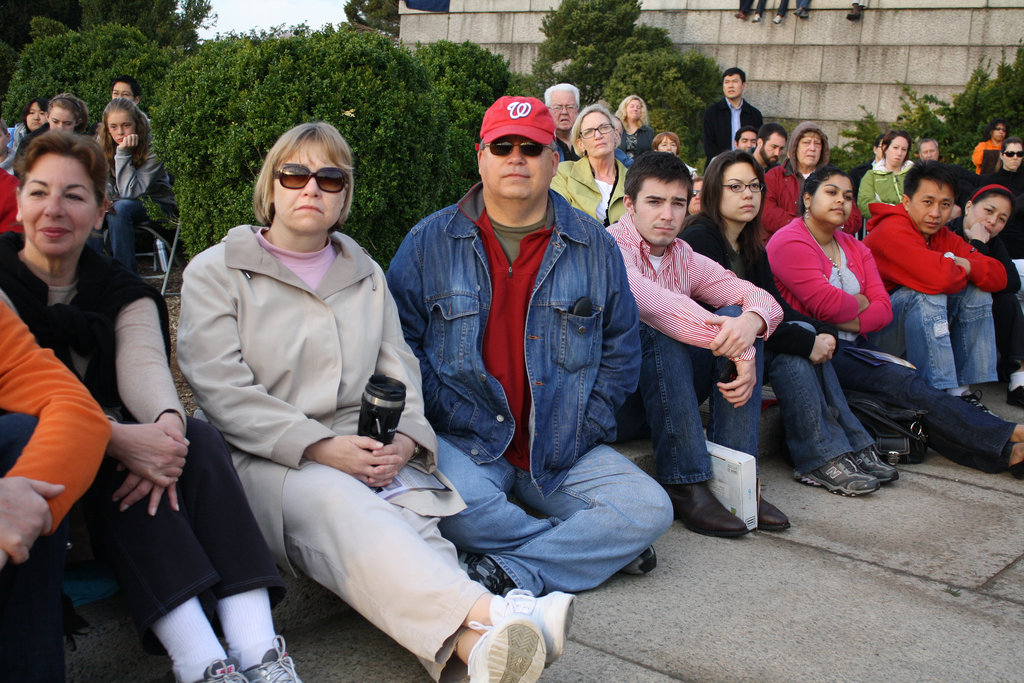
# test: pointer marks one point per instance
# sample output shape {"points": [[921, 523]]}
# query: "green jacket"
{"points": [[575, 181], [880, 186]]}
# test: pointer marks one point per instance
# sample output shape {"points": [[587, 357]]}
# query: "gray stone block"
{"points": [[864, 64], [997, 27], [423, 28], [939, 65], [915, 27], [481, 28], [526, 28]]}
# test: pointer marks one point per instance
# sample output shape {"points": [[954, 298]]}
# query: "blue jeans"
{"points": [[675, 378], [955, 429], [121, 224], [818, 422], [948, 337], [600, 518], [31, 617]]}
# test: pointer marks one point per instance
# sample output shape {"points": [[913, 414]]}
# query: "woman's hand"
{"points": [[130, 141], [151, 452], [135, 488], [978, 231], [365, 458], [824, 347], [739, 391]]}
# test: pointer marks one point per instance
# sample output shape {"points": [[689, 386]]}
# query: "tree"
{"points": [[677, 86], [170, 23], [380, 15], [585, 38], [16, 17]]}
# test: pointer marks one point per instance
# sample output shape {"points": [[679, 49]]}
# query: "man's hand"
{"points": [[365, 458], [735, 335], [824, 347], [24, 515], [738, 391], [963, 263]]}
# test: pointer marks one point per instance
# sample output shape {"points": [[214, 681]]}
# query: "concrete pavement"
{"points": [[923, 580]]}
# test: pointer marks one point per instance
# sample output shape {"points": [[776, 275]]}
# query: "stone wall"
{"points": [[824, 68]]}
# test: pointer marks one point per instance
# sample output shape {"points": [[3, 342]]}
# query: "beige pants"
{"points": [[389, 563]]}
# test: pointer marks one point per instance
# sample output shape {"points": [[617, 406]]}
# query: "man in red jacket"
{"points": [[939, 285]]}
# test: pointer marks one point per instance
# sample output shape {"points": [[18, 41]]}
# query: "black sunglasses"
{"points": [[1014, 154], [503, 148], [296, 176]]}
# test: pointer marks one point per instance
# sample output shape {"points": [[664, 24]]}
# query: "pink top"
{"points": [[310, 267], [802, 272], [669, 297]]}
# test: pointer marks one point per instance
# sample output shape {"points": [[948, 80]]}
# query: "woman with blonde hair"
{"points": [[281, 326], [637, 134], [595, 183], [135, 172]]}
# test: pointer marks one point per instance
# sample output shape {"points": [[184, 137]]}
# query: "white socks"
{"points": [[958, 391], [1016, 379], [189, 639], [248, 626]]}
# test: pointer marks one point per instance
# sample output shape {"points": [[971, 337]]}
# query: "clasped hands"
{"points": [[154, 455], [364, 457]]}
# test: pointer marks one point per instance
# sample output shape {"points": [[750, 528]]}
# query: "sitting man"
{"points": [[52, 439], [519, 311], [687, 349], [939, 285]]}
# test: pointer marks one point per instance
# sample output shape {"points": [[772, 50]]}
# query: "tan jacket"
{"points": [[575, 181], [277, 366]]}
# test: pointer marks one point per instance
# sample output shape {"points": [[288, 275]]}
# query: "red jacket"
{"points": [[782, 201], [905, 258], [8, 203]]}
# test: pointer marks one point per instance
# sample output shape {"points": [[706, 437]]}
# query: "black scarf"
{"points": [[86, 324]]}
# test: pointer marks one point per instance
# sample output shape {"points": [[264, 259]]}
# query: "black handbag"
{"points": [[899, 432]]}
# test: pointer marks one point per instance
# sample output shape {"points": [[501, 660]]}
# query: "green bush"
{"points": [[468, 79], [83, 63], [860, 148], [226, 105], [677, 86]]}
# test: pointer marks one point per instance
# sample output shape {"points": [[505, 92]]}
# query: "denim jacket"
{"points": [[580, 367]]}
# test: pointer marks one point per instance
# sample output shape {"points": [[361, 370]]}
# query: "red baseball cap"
{"points": [[525, 116]]}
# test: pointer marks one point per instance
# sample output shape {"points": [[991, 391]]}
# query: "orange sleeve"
{"points": [[71, 437]]}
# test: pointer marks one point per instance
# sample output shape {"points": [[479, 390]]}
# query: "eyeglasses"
{"points": [[754, 187], [562, 107], [603, 129], [1018, 153], [503, 148], [695, 193], [999, 128], [296, 176]]}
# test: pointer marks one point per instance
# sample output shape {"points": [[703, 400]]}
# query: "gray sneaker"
{"points": [[224, 671], [840, 476], [868, 462], [644, 563], [277, 666]]}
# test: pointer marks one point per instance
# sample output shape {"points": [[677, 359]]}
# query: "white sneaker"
{"points": [[277, 666], [512, 651], [552, 614]]}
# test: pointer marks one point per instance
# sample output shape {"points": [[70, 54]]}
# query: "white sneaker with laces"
{"points": [[277, 666], [552, 614], [511, 651]]}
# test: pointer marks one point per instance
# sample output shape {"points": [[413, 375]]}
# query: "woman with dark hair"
{"points": [[831, 276], [166, 510], [826, 442], [135, 172], [995, 132], [33, 117], [985, 216], [883, 183]]}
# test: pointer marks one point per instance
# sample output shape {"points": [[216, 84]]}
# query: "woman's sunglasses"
{"points": [[296, 176], [1014, 154]]}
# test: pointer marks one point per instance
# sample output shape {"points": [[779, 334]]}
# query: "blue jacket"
{"points": [[580, 368]]}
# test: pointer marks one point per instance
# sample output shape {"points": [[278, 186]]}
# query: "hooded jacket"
{"points": [[783, 185], [907, 258]]}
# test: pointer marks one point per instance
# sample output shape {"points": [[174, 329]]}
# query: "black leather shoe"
{"points": [[1015, 397], [698, 509], [770, 518]]}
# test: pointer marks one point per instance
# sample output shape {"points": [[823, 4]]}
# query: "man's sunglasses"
{"points": [[1014, 154], [503, 148], [296, 176]]}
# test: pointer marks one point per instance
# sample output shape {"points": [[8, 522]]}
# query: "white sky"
{"points": [[242, 15]]}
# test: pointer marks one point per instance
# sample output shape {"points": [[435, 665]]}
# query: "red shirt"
{"points": [[9, 203], [504, 344]]}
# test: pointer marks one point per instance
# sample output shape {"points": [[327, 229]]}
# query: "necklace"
{"points": [[836, 261]]}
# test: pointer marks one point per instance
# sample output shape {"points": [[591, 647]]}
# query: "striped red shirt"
{"points": [[669, 299]]}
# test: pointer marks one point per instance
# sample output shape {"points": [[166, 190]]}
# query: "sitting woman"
{"points": [[163, 472], [883, 183], [828, 445], [595, 183], [983, 221], [280, 329], [831, 276], [995, 132], [669, 142], [135, 172], [637, 134], [693, 208], [68, 113], [33, 117]]}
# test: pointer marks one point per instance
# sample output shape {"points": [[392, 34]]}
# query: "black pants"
{"points": [[1009, 323], [31, 619], [211, 547]]}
